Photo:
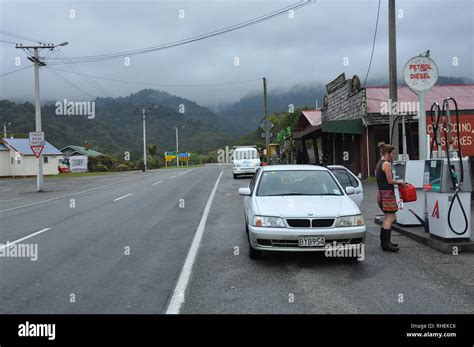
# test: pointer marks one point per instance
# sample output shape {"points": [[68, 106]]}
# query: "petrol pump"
{"points": [[447, 180], [410, 213]]}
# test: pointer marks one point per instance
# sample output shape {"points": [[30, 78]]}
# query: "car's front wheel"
{"points": [[254, 253]]}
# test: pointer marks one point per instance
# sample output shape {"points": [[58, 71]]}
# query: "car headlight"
{"points": [[265, 221], [350, 221], [236, 164]]}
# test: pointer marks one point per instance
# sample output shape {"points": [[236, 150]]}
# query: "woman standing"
{"points": [[386, 196]]}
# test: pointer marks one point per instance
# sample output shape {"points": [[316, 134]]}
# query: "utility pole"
{"points": [[36, 60], [143, 109], [392, 53], [5, 129], [177, 150], [144, 138], [267, 122]]}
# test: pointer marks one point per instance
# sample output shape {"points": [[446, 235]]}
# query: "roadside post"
{"points": [[37, 144]]}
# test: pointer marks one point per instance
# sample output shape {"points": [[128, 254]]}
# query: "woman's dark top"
{"points": [[382, 177]]}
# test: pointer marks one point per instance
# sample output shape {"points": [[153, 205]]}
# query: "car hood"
{"points": [[304, 206]]}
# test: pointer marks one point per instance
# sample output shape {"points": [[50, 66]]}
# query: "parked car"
{"points": [[299, 208], [347, 179], [246, 161]]}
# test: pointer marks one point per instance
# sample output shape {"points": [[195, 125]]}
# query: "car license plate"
{"points": [[311, 241]]}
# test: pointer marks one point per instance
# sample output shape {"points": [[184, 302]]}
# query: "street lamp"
{"points": [[35, 59]]}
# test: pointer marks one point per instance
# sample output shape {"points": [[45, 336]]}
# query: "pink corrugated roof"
{"points": [[463, 93], [313, 116]]}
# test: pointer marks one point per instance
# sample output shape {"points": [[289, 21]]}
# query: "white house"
{"points": [[17, 158], [78, 157]]}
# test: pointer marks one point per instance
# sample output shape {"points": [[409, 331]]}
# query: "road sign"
{"points": [[184, 155], [37, 142], [262, 125], [37, 138], [420, 73], [37, 150], [263, 135]]}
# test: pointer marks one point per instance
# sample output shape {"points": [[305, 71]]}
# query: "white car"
{"points": [[299, 208], [246, 161], [347, 179]]}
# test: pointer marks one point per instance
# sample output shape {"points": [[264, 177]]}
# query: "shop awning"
{"points": [[347, 126]]}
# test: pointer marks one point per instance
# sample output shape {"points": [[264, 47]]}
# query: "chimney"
{"points": [[86, 146]]}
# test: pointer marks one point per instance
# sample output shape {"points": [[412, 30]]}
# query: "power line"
{"points": [[159, 84], [252, 21], [10, 42], [9, 73], [19, 36], [73, 69], [373, 44], [58, 75]]}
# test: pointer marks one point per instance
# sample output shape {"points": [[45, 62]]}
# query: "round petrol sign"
{"points": [[420, 73]]}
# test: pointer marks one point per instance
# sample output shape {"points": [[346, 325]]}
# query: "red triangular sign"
{"points": [[435, 213], [37, 150]]}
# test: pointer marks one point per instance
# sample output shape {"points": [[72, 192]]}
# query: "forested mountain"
{"points": [[117, 126]]}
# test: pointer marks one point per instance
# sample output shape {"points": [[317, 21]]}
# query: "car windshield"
{"points": [[245, 154], [297, 182]]}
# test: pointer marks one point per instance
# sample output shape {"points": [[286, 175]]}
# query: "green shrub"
{"points": [[101, 168]]}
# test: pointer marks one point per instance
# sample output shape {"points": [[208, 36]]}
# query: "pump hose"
{"points": [[454, 180], [435, 125], [456, 196]]}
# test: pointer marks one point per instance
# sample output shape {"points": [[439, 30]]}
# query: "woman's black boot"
{"points": [[384, 238], [389, 237]]}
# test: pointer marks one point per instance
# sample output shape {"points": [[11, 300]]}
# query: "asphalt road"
{"points": [[83, 258]]}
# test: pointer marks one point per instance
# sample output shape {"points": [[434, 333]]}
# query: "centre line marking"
{"points": [[24, 238], [172, 177], [122, 197], [157, 183], [177, 299], [68, 195]]}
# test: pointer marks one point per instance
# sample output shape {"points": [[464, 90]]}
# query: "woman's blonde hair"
{"points": [[385, 148]]}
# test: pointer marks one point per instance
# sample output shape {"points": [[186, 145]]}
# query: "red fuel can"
{"points": [[407, 193]]}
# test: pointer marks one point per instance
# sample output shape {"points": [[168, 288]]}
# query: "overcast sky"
{"points": [[309, 48]]}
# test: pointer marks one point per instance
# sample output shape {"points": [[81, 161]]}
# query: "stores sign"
{"points": [[420, 73]]}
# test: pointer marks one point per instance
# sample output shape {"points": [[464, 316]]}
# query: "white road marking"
{"points": [[24, 238], [184, 172], [172, 177], [157, 183], [177, 299], [68, 195], [122, 197]]}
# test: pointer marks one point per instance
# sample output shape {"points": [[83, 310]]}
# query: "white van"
{"points": [[245, 160]]}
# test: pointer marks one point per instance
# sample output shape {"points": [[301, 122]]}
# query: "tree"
{"points": [[152, 149]]}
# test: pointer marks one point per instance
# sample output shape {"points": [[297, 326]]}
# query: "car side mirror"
{"points": [[350, 190], [245, 191]]}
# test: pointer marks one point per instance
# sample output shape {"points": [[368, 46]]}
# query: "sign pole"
{"points": [[421, 73], [422, 127], [39, 176]]}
